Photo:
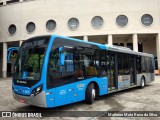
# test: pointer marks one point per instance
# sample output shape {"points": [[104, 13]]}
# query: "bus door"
{"points": [[108, 68], [133, 70], [111, 71]]}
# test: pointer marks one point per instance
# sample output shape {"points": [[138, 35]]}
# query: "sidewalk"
{"points": [[8, 78]]}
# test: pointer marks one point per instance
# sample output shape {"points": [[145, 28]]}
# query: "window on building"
{"points": [[73, 23], [1, 3], [119, 44], [97, 22], [12, 29], [122, 20], [50, 25], [147, 20], [11, 1], [30, 27], [140, 47], [130, 45]]}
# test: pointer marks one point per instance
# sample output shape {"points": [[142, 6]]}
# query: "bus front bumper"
{"points": [[38, 100]]}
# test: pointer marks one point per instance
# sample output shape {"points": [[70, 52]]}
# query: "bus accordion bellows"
{"points": [[51, 71]]}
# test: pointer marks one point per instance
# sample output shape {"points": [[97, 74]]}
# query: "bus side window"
{"points": [[138, 64], [54, 70], [152, 65], [69, 67], [124, 68], [103, 63], [86, 60]]}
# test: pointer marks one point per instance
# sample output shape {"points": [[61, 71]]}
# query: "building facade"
{"points": [[129, 23]]}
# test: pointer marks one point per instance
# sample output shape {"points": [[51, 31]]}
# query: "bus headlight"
{"points": [[36, 91]]}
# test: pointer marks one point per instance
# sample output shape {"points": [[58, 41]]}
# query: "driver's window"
{"points": [[55, 71], [54, 61]]}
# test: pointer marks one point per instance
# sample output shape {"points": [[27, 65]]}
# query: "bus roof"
{"points": [[102, 46], [13, 48], [109, 47], [126, 50]]}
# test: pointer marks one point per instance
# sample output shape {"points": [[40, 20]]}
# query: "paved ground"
{"points": [[147, 99]]}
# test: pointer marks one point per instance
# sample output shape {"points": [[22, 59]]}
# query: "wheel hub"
{"points": [[94, 93]]}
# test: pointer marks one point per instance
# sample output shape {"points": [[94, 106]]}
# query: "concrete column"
{"points": [[5, 2], [20, 42], [158, 49], [4, 65], [135, 42], [85, 38], [110, 40]]}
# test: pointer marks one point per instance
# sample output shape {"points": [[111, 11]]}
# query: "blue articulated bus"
{"points": [[51, 71], [11, 51]]}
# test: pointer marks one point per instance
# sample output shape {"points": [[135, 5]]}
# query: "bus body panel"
{"points": [[123, 82], [66, 94], [139, 77], [22, 90], [38, 100], [50, 97], [101, 46], [45, 63], [74, 92], [149, 77]]}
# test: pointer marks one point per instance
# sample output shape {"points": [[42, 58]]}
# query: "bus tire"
{"points": [[142, 85], [90, 94]]}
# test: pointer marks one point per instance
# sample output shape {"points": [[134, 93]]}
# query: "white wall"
{"points": [[39, 11]]}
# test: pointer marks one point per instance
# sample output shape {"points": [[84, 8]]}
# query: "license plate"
{"points": [[21, 100]]}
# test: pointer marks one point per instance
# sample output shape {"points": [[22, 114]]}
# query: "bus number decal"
{"points": [[80, 86], [62, 92]]}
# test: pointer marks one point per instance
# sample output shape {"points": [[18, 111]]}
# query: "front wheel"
{"points": [[142, 82], [90, 94]]}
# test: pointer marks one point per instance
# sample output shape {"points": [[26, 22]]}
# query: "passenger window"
{"points": [[69, 68], [138, 64], [57, 71], [103, 64], [124, 67], [87, 60]]}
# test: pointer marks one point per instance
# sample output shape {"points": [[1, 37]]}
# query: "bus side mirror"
{"points": [[61, 56]]}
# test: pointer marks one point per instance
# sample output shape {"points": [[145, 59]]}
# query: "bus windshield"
{"points": [[29, 62]]}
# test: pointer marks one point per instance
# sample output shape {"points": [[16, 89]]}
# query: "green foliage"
{"points": [[34, 62]]}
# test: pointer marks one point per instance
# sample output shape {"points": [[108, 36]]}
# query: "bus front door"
{"points": [[111, 71], [133, 71]]}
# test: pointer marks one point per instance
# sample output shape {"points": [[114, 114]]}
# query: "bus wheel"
{"points": [[90, 94], [142, 82]]}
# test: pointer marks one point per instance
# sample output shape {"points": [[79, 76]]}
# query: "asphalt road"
{"points": [[135, 99]]}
